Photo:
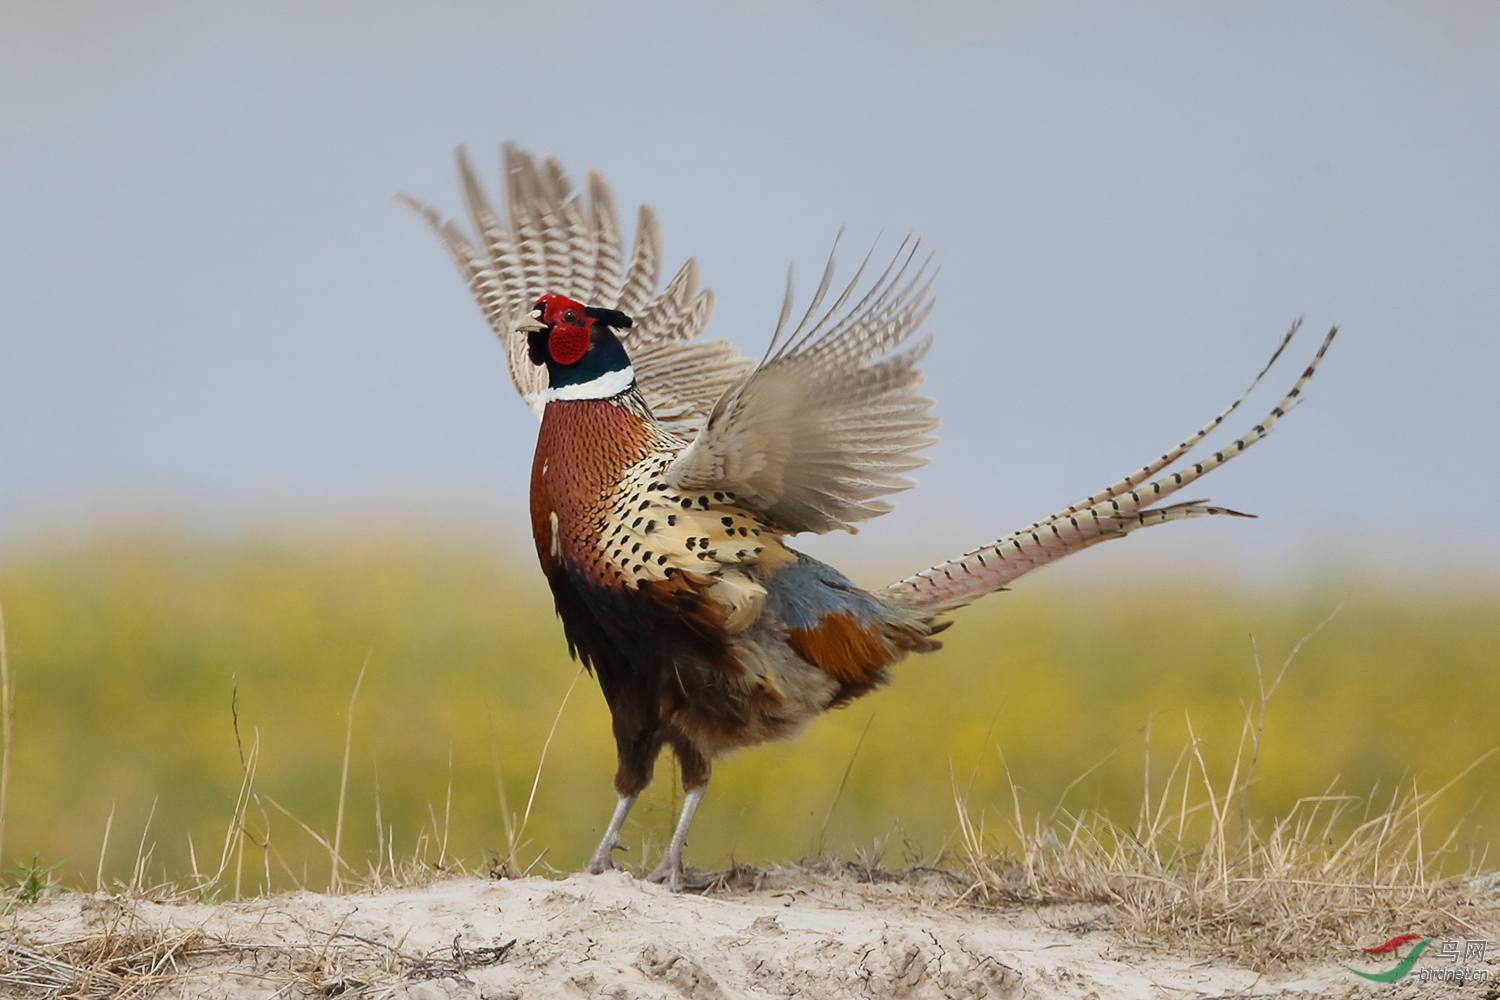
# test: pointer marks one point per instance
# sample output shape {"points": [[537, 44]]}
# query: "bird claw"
{"points": [[668, 873], [603, 859]]}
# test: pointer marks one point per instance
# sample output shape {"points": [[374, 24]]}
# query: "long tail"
{"points": [[1113, 512]]}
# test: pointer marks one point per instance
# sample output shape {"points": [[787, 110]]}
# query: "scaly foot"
{"points": [[669, 872], [603, 859]]}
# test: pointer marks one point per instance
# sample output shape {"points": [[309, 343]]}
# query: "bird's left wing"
{"points": [[829, 420], [551, 240]]}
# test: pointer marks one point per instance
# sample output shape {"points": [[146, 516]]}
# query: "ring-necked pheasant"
{"points": [[669, 472]]}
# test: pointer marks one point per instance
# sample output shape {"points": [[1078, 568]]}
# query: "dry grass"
{"points": [[117, 962], [1327, 875], [1191, 872], [249, 831], [126, 955], [7, 690]]}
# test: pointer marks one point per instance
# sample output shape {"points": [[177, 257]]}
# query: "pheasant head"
{"points": [[577, 345]]}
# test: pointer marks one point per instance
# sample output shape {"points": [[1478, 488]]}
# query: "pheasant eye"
{"points": [[570, 317]]}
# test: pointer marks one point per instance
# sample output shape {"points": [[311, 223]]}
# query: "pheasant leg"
{"points": [[669, 871], [603, 858]]}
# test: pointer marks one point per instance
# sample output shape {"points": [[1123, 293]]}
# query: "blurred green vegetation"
{"points": [[126, 647]]}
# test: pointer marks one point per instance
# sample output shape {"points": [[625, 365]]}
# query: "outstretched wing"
{"points": [[829, 420], [552, 240]]}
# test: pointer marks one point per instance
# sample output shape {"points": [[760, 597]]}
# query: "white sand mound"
{"points": [[796, 934]]}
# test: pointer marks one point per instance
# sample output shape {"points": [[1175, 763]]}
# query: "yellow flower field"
{"points": [[126, 648]]}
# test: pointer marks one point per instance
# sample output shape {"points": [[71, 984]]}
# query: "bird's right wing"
{"points": [[554, 241], [830, 419]]}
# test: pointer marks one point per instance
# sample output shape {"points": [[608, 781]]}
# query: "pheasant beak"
{"points": [[528, 324]]}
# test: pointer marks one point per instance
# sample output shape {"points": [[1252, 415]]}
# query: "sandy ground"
{"points": [[797, 934]]}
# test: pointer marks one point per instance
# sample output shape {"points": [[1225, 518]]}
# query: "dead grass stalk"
{"points": [[6, 714], [1193, 872]]}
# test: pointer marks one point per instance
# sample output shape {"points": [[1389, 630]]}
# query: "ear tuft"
{"points": [[609, 317]]}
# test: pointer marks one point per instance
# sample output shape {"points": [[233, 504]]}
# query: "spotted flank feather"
{"points": [[655, 532], [551, 240], [1113, 512]]}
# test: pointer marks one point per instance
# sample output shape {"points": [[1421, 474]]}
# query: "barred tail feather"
{"points": [[1112, 513], [1150, 469]]}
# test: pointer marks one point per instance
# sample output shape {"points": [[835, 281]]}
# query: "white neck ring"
{"points": [[606, 385]]}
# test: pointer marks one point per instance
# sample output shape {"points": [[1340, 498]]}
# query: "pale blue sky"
{"points": [[210, 305]]}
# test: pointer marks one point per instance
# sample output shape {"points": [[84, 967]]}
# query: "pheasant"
{"points": [[671, 471]]}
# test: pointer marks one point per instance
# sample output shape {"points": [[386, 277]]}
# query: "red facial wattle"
{"points": [[568, 344], [567, 328]]}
